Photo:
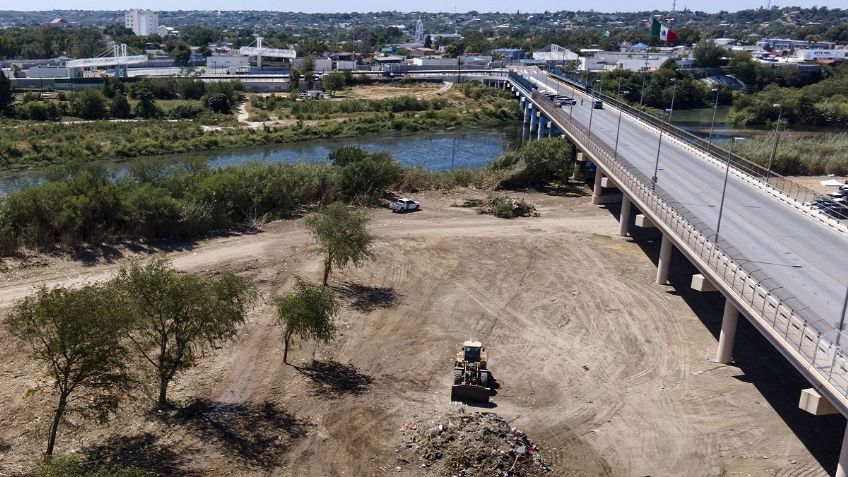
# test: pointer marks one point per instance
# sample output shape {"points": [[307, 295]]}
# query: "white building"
{"points": [[597, 60], [437, 62], [142, 22], [554, 53], [227, 64], [419, 32]]}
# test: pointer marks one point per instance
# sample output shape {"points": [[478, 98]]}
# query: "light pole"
{"points": [[776, 137], [715, 108], [659, 143], [645, 70], [724, 188], [592, 105], [618, 129], [842, 318]]}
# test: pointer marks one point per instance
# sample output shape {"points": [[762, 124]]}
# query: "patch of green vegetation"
{"points": [[799, 155]]}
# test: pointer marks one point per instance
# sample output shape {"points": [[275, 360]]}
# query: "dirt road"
{"points": [[609, 373]]}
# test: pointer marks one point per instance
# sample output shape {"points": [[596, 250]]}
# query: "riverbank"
{"points": [[51, 143]]}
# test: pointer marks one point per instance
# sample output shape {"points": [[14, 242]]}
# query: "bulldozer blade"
{"points": [[469, 393]]}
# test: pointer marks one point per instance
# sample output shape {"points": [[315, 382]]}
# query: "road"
{"points": [[807, 258]]}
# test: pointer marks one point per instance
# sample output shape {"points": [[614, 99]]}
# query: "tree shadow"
{"points": [[5, 446], [111, 252], [258, 434], [365, 298], [331, 379], [142, 451]]}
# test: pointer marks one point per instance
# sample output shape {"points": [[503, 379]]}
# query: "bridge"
{"points": [[750, 233]]}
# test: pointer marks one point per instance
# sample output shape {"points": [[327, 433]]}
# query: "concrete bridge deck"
{"points": [[780, 264]]}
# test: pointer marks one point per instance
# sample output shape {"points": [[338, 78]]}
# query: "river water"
{"points": [[463, 147]]}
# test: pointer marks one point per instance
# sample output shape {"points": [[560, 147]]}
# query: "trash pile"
{"points": [[471, 444]]}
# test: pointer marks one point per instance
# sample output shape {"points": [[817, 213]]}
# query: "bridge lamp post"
{"points": [[659, 143], [724, 188], [774, 146], [842, 318], [715, 108], [618, 129], [592, 105]]}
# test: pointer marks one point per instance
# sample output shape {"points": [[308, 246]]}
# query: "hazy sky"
{"points": [[431, 5]]}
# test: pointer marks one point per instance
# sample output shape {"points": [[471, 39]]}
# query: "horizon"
{"points": [[537, 7]]}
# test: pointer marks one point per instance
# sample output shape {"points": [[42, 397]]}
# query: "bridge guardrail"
{"points": [[814, 340], [789, 188]]}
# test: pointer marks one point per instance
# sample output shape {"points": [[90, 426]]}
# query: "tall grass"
{"points": [[799, 155]]}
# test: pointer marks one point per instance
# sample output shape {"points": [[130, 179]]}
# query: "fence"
{"points": [[787, 187], [818, 345]]}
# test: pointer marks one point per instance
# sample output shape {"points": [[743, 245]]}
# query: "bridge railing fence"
{"points": [[819, 344], [716, 150]]}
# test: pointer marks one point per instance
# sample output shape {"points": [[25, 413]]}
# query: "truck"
{"points": [[404, 205]]}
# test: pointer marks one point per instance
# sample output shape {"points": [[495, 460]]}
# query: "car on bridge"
{"points": [[565, 100], [597, 104]]}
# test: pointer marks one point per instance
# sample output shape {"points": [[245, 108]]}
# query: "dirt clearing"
{"points": [[419, 90], [606, 372]]}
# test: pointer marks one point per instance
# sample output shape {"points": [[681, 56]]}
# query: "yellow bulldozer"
{"points": [[472, 380]]}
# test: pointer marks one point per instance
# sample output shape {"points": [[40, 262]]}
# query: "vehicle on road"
{"points": [[597, 104], [404, 205], [565, 100], [472, 380]]}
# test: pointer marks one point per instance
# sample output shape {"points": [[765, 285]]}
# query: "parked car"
{"points": [[404, 205]]}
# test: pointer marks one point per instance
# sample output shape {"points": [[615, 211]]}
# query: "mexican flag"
{"points": [[662, 32]]}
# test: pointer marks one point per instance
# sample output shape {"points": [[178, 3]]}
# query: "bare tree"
{"points": [[77, 334], [176, 316]]}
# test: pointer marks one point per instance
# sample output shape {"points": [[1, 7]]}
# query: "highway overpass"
{"points": [[777, 261]]}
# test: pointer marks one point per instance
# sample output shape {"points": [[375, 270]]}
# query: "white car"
{"points": [[404, 205]]}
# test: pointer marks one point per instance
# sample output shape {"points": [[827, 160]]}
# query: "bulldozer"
{"points": [[472, 381]]}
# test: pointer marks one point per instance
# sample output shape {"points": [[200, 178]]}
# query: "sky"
{"points": [[430, 5]]}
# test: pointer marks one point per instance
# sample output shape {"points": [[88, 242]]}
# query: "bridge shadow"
{"points": [[759, 363]]}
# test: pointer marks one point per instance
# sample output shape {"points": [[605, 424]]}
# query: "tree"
{"points": [[120, 107], [146, 106], [175, 316], [77, 334], [294, 79], [342, 235], [5, 92], [334, 82], [428, 42], [708, 55], [307, 313], [181, 54], [219, 103], [363, 177], [88, 104]]}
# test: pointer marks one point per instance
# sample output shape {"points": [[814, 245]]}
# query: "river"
{"points": [[463, 147]]}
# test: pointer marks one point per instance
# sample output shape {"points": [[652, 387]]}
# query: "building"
{"points": [[599, 60], [142, 22], [784, 44], [227, 64], [509, 53], [554, 53], [167, 32], [436, 62]]}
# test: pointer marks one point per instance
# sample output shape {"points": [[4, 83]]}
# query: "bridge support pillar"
{"points": [[624, 216], [596, 190], [728, 333], [534, 120], [528, 110], [842, 467], [543, 127], [664, 260]]}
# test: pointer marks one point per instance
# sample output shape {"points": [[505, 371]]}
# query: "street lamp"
{"points": [[659, 143], [715, 108], [618, 129], [724, 188], [842, 318], [592, 105], [776, 136], [644, 70]]}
